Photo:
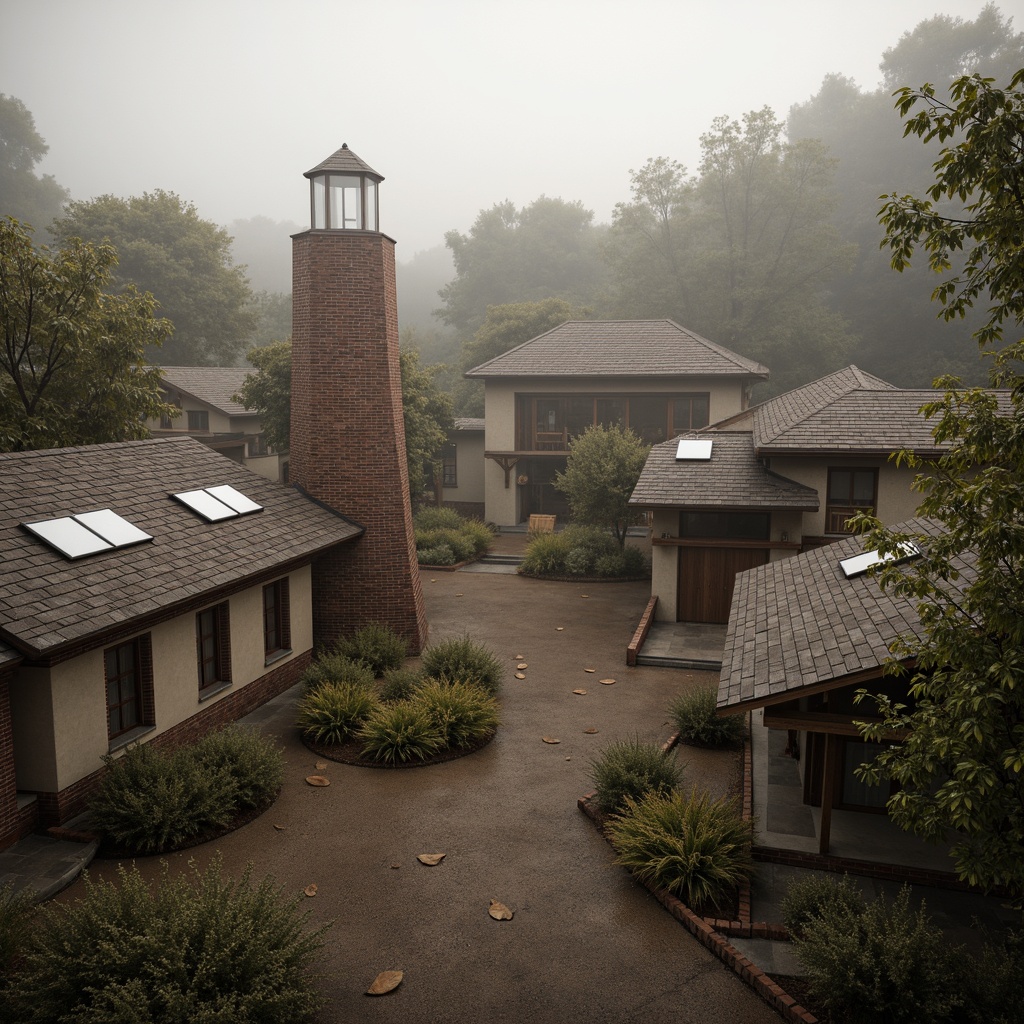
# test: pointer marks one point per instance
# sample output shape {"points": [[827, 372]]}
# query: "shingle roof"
{"points": [[469, 423], [619, 348], [732, 478], [343, 161], [47, 601], [214, 385], [799, 623]]}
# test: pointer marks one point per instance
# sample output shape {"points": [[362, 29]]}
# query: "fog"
{"points": [[458, 103]]}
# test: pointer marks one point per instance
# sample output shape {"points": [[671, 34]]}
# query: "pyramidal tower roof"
{"points": [[343, 161]]}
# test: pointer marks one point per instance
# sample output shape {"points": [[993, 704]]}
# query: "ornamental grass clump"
{"points": [[694, 847], [335, 712], [399, 733], [699, 725], [462, 713], [464, 660], [632, 768], [399, 684], [336, 668], [196, 947], [377, 646]]}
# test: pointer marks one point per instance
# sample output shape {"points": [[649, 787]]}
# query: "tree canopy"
{"points": [[165, 248], [72, 366], [31, 199], [269, 390], [427, 414]]}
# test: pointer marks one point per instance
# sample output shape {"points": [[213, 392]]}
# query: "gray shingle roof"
{"points": [[619, 348], [47, 601], [214, 385], [469, 423], [732, 478], [800, 623], [343, 161]]}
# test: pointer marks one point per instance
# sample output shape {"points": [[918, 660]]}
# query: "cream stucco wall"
{"points": [[59, 716], [665, 565], [469, 466]]}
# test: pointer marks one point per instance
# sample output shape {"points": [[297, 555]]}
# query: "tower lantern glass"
{"points": [[343, 194]]}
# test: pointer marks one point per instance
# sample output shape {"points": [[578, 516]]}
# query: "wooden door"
{"points": [[707, 577]]}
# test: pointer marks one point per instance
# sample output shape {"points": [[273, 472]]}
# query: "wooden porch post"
{"points": [[828, 787]]}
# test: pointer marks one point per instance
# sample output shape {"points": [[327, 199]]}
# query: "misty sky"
{"points": [[458, 103]]}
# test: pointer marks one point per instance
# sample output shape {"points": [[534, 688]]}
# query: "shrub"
{"points": [[636, 562], [695, 717], [632, 768], [592, 539], [463, 660], [462, 545], [399, 684], [884, 963], [335, 668], [195, 947], [334, 712], [992, 983], [15, 928], [479, 533], [610, 565], [578, 562], [440, 555], [695, 847], [817, 895], [399, 732], [462, 713], [545, 555], [436, 518], [251, 760], [375, 645]]}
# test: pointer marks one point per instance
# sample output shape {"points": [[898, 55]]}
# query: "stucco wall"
{"points": [[469, 467]]}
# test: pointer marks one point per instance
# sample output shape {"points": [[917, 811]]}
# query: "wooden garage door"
{"points": [[706, 578]]}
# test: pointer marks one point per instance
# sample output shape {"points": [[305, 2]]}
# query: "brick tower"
{"points": [[347, 434]]}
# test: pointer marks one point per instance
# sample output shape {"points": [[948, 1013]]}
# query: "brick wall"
{"points": [[347, 434], [13, 825]]}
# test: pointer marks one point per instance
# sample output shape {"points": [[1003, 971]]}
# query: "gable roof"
{"points": [[48, 602], [799, 625], [733, 478], [619, 348], [214, 385]]}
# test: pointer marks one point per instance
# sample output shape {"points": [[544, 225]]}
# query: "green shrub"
{"points": [[195, 947], [333, 668], [151, 801], [463, 660], [462, 713], [818, 894], [440, 555], [377, 646], [399, 684], [610, 565], [479, 533], [252, 761], [545, 555], [695, 717], [636, 562], [579, 562], [992, 983], [399, 733], [592, 539], [462, 545], [885, 963], [437, 518], [334, 712], [695, 847], [632, 768], [15, 929]]}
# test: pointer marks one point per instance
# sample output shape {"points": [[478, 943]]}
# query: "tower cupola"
{"points": [[343, 193]]}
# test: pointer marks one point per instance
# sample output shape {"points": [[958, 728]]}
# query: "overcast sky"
{"points": [[458, 103]]}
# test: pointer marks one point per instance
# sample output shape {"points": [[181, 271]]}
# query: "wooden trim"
{"points": [[723, 542], [821, 722]]}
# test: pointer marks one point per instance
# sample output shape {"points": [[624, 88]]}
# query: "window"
{"points": [[258, 446], [129, 677], [198, 420], [730, 525], [690, 412], [213, 648], [849, 491], [276, 618], [449, 467]]}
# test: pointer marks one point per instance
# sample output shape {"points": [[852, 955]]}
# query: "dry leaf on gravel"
{"points": [[590, 670], [386, 981], [310, 889], [519, 675], [430, 859], [607, 682], [550, 739], [580, 692], [522, 665], [558, 629], [591, 731], [280, 828], [321, 765], [317, 780], [499, 911]]}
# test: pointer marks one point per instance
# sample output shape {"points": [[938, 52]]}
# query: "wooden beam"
{"points": [[828, 790], [814, 721]]}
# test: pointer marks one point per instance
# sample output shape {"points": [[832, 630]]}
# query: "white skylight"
{"points": [[857, 565], [693, 449], [87, 533], [217, 503]]}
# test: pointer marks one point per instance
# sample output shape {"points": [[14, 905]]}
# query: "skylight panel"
{"points": [[693, 449], [87, 533], [234, 499], [217, 503], [857, 565], [111, 527]]}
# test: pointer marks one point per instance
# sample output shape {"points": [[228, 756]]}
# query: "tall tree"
{"points": [[427, 414], [165, 248], [24, 195], [961, 768], [269, 390], [72, 366]]}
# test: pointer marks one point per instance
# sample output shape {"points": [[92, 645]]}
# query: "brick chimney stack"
{"points": [[347, 434]]}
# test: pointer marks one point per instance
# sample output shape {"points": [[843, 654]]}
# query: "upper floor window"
{"points": [[213, 647], [258, 446], [167, 420], [198, 419], [276, 618], [449, 469], [128, 669], [849, 491]]}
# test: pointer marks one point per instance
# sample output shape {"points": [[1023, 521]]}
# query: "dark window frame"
{"points": [[138, 675], [213, 648], [838, 511], [199, 420], [277, 625], [449, 465]]}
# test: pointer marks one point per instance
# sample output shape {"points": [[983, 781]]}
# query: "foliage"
{"points": [[581, 550], [336, 668], [602, 468], [273, 311], [818, 895], [25, 195], [269, 390], [463, 660], [72, 366], [196, 947], [436, 517], [399, 684], [165, 248], [15, 930], [399, 733], [427, 414], [151, 800], [545, 555], [992, 982], [335, 712], [695, 847], [462, 713], [698, 724], [375, 645], [442, 554], [885, 963], [630, 769], [462, 546], [442, 532]]}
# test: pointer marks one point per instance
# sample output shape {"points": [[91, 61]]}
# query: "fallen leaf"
{"points": [[568, 759], [584, 596], [310, 889], [590, 731], [519, 657], [386, 981], [280, 828], [395, 867], [522, 665], [607, 682], [558, 629], [519, 675], [458, 595], [433, 581], [590, 670], [499, 911], [317, 780], [550, 739], [580, 692], [430, 859], [321, 765]]}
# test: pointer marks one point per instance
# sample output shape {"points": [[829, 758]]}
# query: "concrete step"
{"points": [[498, 559]]}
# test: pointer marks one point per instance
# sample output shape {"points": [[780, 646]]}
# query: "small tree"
{"points": [[269, 390], [601, 471]]}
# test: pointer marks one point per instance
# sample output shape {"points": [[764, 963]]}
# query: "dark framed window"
{"points": [[258, 446], [726, 525], [167, 420], [277, 630], [449, 467], [128, 668], [849, 491], [213, 647], [198, 419], [690, 412]]}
